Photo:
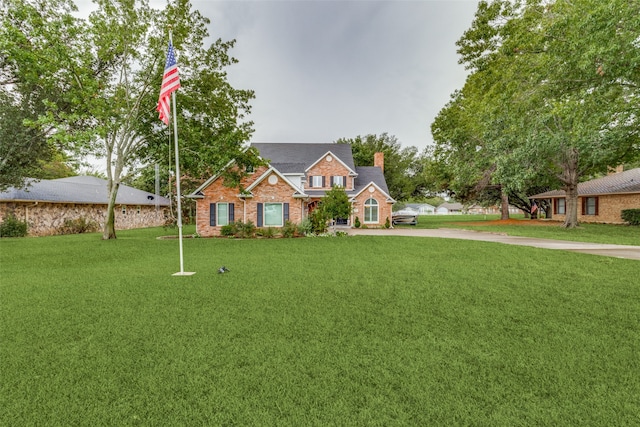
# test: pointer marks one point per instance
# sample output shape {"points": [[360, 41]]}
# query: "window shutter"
{"points": [[323, 182], [584, 205], [332, 181], [310, 181], [596, 200], [555, 206], [285, 211], [231, 213], [212, 214], [259, 218], [344, 182]]}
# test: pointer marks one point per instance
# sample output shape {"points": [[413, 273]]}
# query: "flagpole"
{"points": [[177, 155]]}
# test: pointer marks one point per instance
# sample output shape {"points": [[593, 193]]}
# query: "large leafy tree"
{"points": [[115, 82], [41, 63], [554, 86], [401, 165]]}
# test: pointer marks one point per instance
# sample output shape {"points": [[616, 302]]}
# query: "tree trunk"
{"points": [[109, 231], [504, 206], [571, 220], [570, 180]]}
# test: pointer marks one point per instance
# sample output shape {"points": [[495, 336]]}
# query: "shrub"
{"points": [[387, 224], [318, 221], [246, 230], [267, 232], [229, 230], [357, 222], [78, 226], [305, 228], [289, 229], [13, 227], [632, 216]]}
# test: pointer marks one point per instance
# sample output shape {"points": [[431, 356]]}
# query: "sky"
{"points": [[329, 69]]}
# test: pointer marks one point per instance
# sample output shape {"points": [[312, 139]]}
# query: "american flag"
{"points": [[170, 83]]}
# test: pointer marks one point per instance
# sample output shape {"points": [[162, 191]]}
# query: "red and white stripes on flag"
{"points": [[170, 83]]}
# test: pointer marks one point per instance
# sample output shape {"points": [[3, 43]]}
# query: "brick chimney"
{"points": [[378, 160]]}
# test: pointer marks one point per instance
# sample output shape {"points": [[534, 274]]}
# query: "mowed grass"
{"points": [[618, 234], [361, 330]]}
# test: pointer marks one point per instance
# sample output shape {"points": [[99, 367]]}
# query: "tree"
{"points": [[401, 165], [42, 58], [553, 89], [336, 204], [21, 147], [114, 79]]}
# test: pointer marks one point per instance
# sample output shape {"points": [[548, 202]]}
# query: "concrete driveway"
{"points": [[617, 251]]}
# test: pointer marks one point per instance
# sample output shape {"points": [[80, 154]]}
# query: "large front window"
{"points": [[560, 206], [371, 211], [273, 215]]}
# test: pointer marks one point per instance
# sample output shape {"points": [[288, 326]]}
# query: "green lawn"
{"points": [[362, 330], [595, 233]]}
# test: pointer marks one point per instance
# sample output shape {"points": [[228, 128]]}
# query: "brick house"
{"points": [[291, 185], [599, 200], [46, 204]]}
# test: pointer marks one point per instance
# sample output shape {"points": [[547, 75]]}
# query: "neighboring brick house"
{"points": [[599, 200], [46, 204], [292, 184]]}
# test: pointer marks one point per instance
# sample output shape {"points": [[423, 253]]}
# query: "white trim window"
{"points": [[338, 181], [221, 214], [371, 211], [316, 181], [272, 214]]}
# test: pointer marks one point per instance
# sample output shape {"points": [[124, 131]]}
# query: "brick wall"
{"points": [[46, 219], [273, 189], [384, 208], [280, 191], [329, 166], [609, 208]]}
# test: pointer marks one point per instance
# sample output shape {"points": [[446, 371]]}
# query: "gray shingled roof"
{"points": [[289, 157], [620, 183], [367, 174], [81, 190], [297, 158]]}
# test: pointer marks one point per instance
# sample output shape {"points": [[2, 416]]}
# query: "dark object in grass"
{"points": [[223, 269]]}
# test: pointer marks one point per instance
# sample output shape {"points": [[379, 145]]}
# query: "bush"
{"points": [[357, 222], [632, 216], [78, 226], [13, 227], [318, 221], [245, 230], [267, 232], [289, 230], [387, 224], [305, 227], [229, 230]]}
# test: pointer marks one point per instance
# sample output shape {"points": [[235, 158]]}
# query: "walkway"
{"points": [[618, 251]]}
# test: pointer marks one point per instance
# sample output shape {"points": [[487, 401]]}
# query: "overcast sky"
{"points": [[324, 70]]}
